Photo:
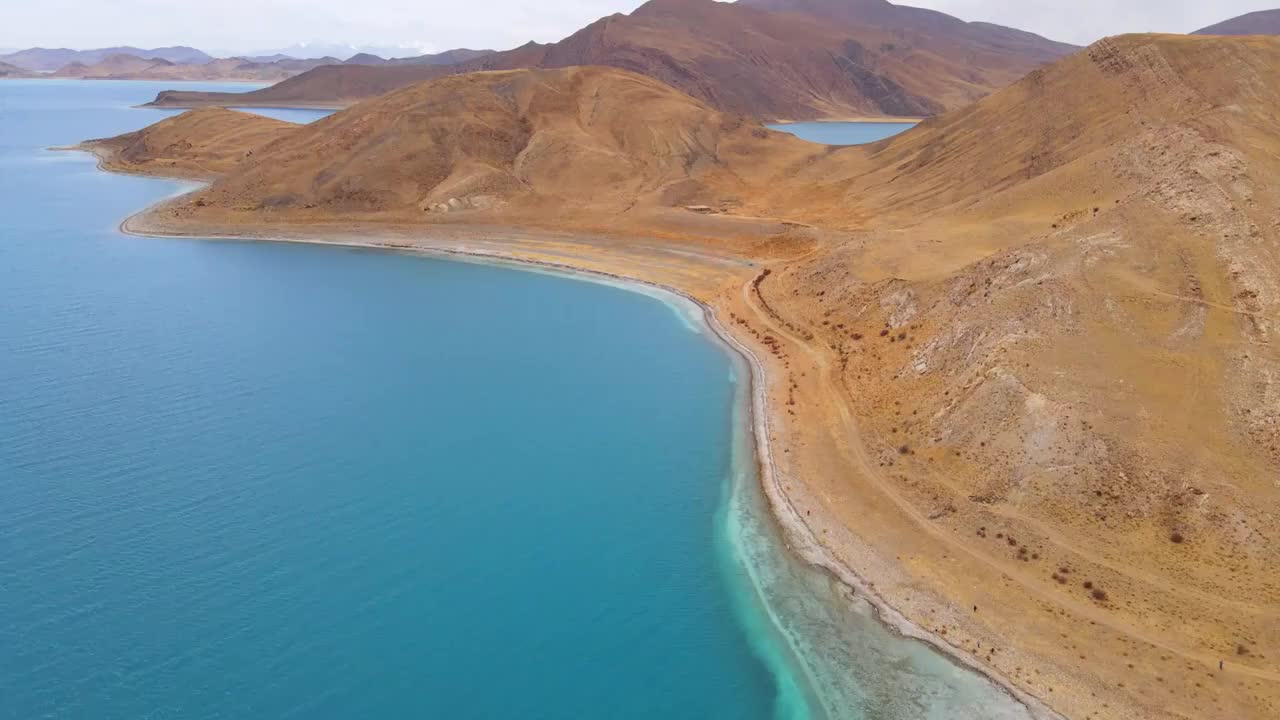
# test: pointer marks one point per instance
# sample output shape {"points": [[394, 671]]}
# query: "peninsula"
{"points": [[1019, 361]]}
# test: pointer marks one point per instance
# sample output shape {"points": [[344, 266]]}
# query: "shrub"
{"points": [[1099, 595], [1176, 538]]}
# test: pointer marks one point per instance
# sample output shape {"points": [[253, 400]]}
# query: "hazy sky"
{"points": [[432, 25]]}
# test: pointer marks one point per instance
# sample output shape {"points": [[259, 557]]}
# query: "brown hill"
{"points": [[506, 142], [201, 144], [1021, 358], [739, 59], [1263, 22]]}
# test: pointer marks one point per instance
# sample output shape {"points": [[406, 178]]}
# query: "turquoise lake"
{"points": [[254, 480], [843, 133]]}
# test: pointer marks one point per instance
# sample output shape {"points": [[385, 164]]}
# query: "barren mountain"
{"points": [[740, 59], [1263, 22], [1020, 359]]}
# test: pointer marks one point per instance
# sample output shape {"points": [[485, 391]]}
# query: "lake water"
{"points": [[250, 480], [843, 133]]}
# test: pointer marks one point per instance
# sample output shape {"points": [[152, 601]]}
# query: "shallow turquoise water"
{"points": [[244, 480], [843, 133]]}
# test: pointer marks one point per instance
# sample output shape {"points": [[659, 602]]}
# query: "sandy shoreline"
{"points": [[802, 539]]}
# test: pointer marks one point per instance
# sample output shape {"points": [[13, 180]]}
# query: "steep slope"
{"points": [[1262, 22], [1021, 358], [200, 144], [739, 59]]}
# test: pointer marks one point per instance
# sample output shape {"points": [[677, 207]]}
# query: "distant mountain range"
{"points": [[777, 59], [53, 59], [184, 63], [1263, 22]]}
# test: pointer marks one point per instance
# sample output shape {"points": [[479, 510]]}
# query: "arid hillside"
{"points": [[1056, 316], [525, 143], [1262, 22], [200, 144], [1022, 356], [738, 59]]}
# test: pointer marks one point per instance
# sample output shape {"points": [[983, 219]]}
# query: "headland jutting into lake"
{"points": [[959, 326]]}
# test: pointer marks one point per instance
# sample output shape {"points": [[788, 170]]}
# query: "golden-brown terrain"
{"points": [[1020, 359], [200, 144]]}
